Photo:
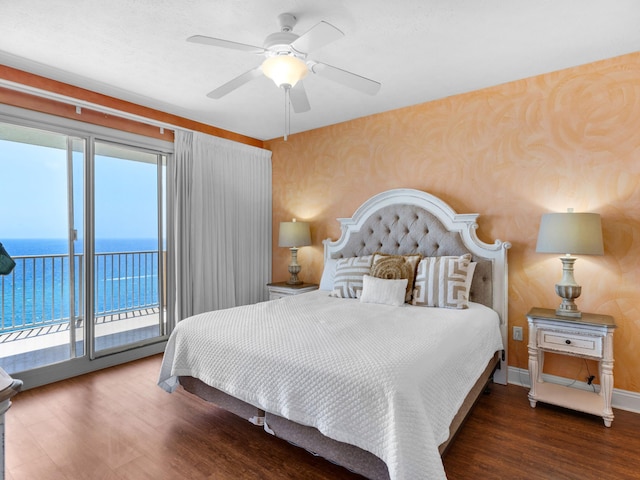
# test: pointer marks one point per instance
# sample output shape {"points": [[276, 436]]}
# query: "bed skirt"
{"points": [[348, 456]]}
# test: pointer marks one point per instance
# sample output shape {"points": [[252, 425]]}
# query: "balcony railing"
{"points": [[46, 290]]}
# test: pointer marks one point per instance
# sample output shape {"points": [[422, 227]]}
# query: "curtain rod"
{"points": [[18, 87]]}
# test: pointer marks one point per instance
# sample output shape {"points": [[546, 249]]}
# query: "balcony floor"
{"points": [[27, 349]]}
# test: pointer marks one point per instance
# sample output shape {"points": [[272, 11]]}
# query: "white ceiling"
{"points": [[420, 50]]}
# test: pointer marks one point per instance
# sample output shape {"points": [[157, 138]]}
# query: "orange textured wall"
{"points": [[511, 153]]}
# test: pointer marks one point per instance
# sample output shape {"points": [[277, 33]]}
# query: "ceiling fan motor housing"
{"points": [[279, 43], [287, 21]]}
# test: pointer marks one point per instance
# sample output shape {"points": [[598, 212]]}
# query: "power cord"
{"points": [[570, 384], [590, 378]]}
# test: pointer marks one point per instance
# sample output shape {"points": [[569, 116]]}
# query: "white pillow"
{"points": [[385, 291], [328, 274], [395, 267]]}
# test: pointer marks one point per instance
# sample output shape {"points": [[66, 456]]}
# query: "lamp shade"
{"points": [[570, 233], [294, 234], [284, 69]]}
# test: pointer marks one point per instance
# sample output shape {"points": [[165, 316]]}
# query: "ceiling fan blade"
{"points": [[318, 36], [299, 99], [237, 82], [218, 42], [347, 79]]}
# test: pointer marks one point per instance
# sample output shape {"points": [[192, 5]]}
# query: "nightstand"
{"points": [[283, 289], [591, 337]]}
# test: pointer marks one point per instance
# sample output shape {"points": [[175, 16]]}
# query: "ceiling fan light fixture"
{"points": [[284, 70]]}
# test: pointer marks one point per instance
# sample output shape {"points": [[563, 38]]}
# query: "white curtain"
{"points": [[218, 225]]}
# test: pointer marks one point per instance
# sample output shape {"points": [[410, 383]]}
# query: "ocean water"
{"points": [[38, 291], [54, 246]]}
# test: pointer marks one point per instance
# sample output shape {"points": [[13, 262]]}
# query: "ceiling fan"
{"points": [[286, 61]]}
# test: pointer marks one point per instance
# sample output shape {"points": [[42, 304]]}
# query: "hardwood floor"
{"points": [[117, 424]]}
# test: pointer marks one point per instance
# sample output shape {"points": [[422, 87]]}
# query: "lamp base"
{"points": [[568, 307], [294, 268], [562, 312]]}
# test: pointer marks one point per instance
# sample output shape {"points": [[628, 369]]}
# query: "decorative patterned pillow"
{"points": [[472, 269], [349, 272], [384, 291], [443, 282], [396, 267]]}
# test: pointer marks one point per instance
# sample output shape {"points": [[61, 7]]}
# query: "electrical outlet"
{"points": [[517, 333]]}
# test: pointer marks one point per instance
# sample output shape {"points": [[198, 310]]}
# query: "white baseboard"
{"points": [[622, 399]]}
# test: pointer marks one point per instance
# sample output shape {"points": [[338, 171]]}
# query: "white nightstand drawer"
{"points": [[571, 343]]}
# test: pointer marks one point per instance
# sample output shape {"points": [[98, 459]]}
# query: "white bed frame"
{"points": [[491, 291], [399, 221]]}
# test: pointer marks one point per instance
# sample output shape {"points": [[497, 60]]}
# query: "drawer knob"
{"points": [[567, 341]]}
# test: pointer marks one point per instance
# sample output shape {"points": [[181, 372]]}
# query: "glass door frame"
{"points": [[90, 218], [72, 237], [88, 132]]}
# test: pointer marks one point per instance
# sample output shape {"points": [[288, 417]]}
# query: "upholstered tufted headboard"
{"points": [[404, 221]]}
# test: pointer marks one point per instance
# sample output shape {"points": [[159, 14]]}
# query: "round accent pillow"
{"points": [[391, 268], [395, 267]]}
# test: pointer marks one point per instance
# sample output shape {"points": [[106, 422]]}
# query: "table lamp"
{"points": [[572, 234], [293, 235]]}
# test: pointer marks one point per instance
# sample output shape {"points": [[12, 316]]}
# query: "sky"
{"points": [[33, 194]]}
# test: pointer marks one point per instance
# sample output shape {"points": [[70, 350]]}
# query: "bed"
{"points": [[376, 370]]}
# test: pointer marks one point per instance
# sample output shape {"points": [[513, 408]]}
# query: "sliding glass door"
{"points": [[84, 220], [128, 247]]}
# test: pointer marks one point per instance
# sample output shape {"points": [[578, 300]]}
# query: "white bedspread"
{"points": [[386, 379]]}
